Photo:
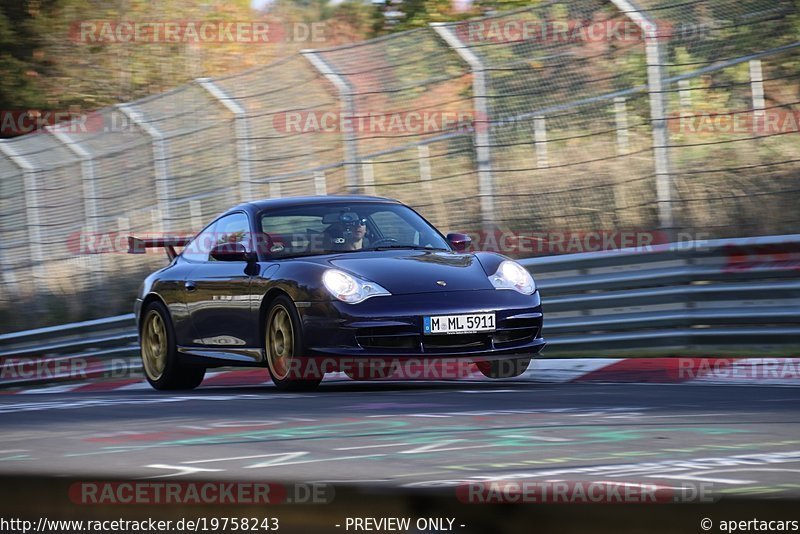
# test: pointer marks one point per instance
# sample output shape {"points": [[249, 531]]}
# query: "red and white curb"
{"points": [[733, 371]]}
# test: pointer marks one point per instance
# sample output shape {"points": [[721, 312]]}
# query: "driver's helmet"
{"points": [[343, 231]]}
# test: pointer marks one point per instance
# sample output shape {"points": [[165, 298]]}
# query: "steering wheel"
{"points": [[386, 240]]}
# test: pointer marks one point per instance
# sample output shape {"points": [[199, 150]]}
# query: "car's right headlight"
{"points": [[350, 289], [512, 275]]}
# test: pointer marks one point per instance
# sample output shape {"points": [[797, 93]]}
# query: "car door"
{"points": [[218, 292]]}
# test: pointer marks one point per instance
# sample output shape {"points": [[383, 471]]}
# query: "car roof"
{"points": [[288, 202]]}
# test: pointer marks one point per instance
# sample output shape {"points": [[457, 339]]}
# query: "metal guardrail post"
{"points": [[349, 110], [30, 174], [482, 123], [89, 192], [658, 108], [163, 186], [243, 150]]}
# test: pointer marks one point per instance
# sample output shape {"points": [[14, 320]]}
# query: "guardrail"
{"points": [[100, 345], [726, 294], [717, 295]]}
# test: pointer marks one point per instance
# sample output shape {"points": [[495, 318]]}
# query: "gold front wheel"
{"points": [[283, 344], [154, 345], [280, 342]]}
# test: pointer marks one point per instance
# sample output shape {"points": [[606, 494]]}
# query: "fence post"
{"points": [[163, 186], [89, 192], [369, 177], [348, 108], [196, 215], [621, 121], [540, 140], [320, 184], [123, 226], [757, 90], [482, 123], [424, 157], [426, 175], [9, 280], [157, 221], [30, 175], [658, 109], [243, 150], [685, 97]]}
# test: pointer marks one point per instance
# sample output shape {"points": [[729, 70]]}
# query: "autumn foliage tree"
{"points": [[46, 64]]}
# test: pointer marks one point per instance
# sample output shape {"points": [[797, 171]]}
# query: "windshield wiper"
{"points": [[312, 254], [410, 247]]}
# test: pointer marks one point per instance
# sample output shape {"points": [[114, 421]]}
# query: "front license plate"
{"points": [[459, 324]]}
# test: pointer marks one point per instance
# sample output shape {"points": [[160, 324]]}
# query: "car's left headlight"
{"points": [[512, 275], [350, 289]]}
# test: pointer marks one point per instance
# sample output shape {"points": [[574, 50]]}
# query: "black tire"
{"points": [[157, 334], [287, 372], [511, 368]]}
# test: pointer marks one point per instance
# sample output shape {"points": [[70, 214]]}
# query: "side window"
{"points": [[201, 245], [235, 228], [290, 224], [292, 234]]}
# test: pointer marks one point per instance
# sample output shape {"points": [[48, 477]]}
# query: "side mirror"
{"points": [[459, 242], [230, 252]]}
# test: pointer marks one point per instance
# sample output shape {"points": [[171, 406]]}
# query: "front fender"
{"points": [[490, 261], [302, 281]]}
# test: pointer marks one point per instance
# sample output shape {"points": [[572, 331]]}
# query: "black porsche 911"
{"points": [[285, 283]]}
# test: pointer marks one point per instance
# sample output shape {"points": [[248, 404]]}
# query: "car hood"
{"points": [[415, 271]]}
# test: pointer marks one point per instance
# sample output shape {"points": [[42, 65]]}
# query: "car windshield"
{"points": [[317, 229]]}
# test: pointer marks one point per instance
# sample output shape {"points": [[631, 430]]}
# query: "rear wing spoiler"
{"points": [[140, 245]]}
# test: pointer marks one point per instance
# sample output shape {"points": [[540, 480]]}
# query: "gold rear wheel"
{"points": [[160, 359]]}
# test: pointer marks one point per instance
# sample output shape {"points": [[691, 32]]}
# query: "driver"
{"points": [[348, 233]]}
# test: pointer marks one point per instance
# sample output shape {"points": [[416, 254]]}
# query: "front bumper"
{"points": [[392, 326]]}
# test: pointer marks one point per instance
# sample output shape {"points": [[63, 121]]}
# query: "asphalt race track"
{"points": [[740, 441]]}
